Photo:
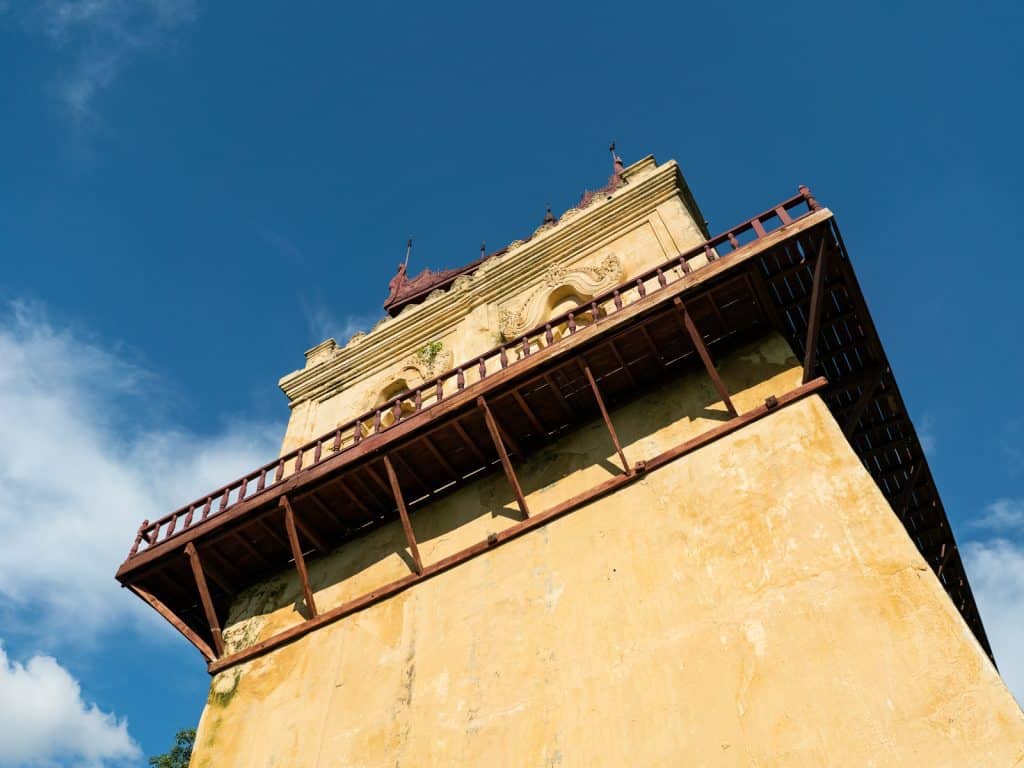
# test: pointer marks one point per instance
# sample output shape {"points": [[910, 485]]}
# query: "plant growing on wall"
{"points": [[428, 352]]}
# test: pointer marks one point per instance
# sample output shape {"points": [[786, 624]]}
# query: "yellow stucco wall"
{"points": [[755, 603]]}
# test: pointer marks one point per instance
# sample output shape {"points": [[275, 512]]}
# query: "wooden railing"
{"points": [[465, 375]]}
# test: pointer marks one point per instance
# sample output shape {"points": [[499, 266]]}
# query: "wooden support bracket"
{"points": [[492, 427], [702, 350], [174, 621], [403, 513], [814, 318], [604, 414], [300, 561], [204, 597]]}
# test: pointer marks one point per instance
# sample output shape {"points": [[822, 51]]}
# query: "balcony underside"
{"points": [[755, 289]]}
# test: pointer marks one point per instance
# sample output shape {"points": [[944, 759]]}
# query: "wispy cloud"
{"points": [[996, 570], [926, 434], [101, 36], [75, 482], [45, 722], [1006, 515], [324, 324]]}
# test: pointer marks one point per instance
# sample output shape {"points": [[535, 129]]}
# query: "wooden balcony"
{"points": [[785, 269]]}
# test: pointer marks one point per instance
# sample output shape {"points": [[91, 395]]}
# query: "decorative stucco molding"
{"points": [[586, 280]]}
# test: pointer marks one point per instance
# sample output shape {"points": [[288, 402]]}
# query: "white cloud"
{"points": [[76, 479], [996, 572], [1003, 514], [101, 35], [44, 721], [926, 435]]}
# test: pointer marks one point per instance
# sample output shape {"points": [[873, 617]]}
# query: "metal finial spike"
{"points": [[408, 250], [483, 247], [549, 217], [611, 147]]}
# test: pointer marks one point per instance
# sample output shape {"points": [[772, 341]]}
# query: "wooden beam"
{"points": [[403, 513], [814, 316], [492, 427], [867, 393], [559, 397], [519, 529], [702, 350], [352, 497], [604, 414], [622, 363], [300, 561], [903, 501], [440, 459], [322, 506], [174, 621], [473, 448], [204, 597], [534, 421]]}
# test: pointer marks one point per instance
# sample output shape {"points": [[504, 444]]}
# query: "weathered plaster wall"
{"points": [[753, 603]]}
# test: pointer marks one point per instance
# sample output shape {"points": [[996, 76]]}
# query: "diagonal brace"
{"points": [[492, 427]]}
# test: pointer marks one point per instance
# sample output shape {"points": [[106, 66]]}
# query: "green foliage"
{"points": [[429, 352], [180, 753]]}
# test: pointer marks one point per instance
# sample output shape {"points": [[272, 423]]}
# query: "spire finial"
{"points": [[483, 247], [408, 250], [549, 217]]}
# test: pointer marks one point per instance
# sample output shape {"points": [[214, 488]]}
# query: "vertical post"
{"points": [[492, 427], [403, 513], [814, 316], [702, 350], [605, 416], [204, 597], [300, 561]]}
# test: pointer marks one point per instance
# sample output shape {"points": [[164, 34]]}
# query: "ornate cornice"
{"points": [[646, 186]]}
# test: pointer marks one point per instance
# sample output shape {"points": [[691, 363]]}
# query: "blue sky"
{"points": [[193, 194]]}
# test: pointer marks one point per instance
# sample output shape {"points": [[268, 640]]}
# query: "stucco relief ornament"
{"points": [[585, 280]]}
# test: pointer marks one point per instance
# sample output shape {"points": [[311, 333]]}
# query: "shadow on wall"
{"points": [[688, 403]]}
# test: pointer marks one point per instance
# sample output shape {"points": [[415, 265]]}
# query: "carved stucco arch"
{"points": [[412, 373], [582, 280]]}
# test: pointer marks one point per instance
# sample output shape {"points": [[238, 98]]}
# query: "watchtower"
{"points": [[621, 493]]}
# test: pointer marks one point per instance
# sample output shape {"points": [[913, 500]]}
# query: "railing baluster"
{"points": [[138, 539], [224, 500], [640, 287], [396, 410], [460, 380], [812, 204], [549, 337], [280, 471], [154, 534], [188, 516], [337, 440], [261, 483], [376, 421], [758, 228], [783, 215], [661, 278], [503, 357], [482, 368], [170, 526], [418, 400], [318, 451], [708, 253], [571, 322], [440, 390], [593, 312], [684, 265], [357, 432], [206, 507], [526, 346], [617, 299], [733, 241], [298, 459], [243, 488]]}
